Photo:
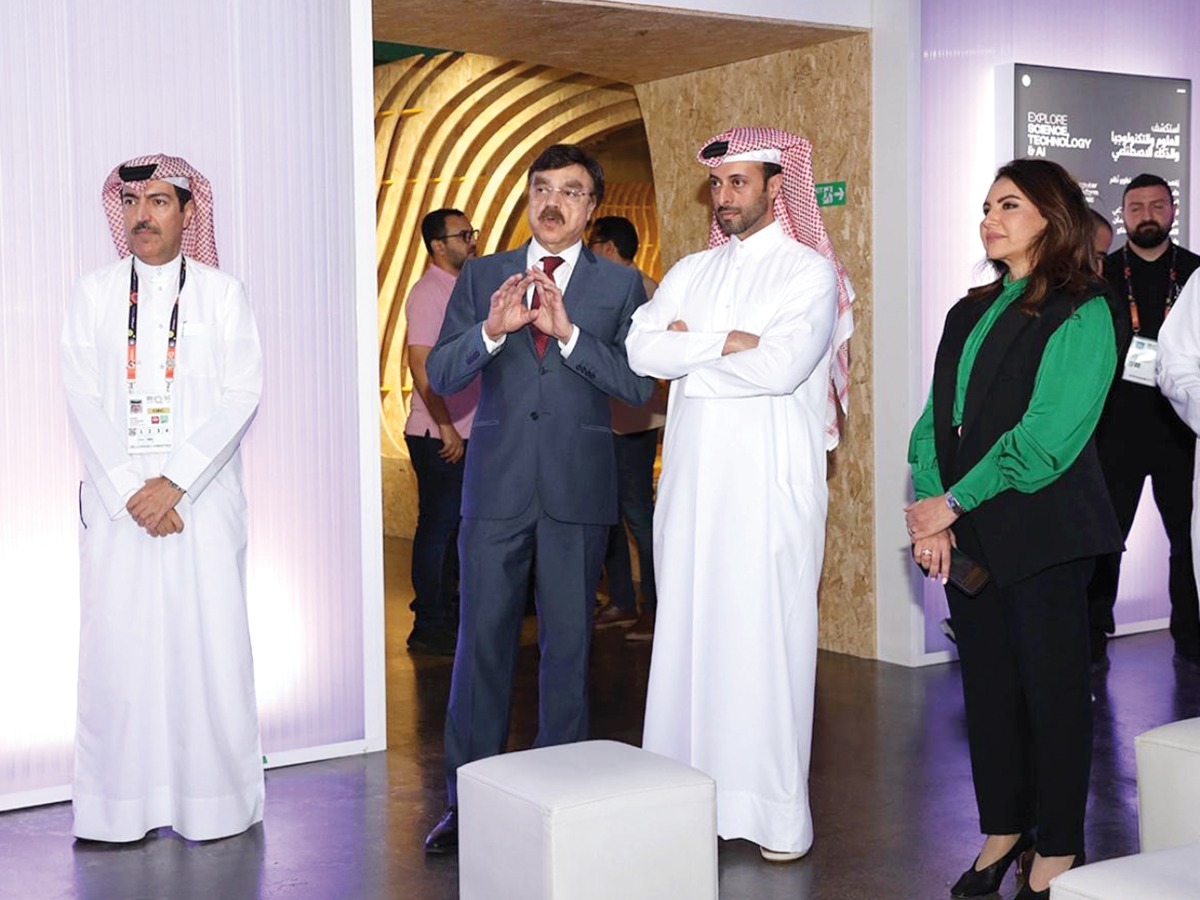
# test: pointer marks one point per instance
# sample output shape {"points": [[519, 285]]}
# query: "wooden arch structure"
{"points": [[460, 130]]}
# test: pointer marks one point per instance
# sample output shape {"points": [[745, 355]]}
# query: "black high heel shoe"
{"points": [[1028, 893], [982, 882]]}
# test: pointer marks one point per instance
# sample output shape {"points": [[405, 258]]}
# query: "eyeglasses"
{"points": [[543, 192], [466, 237]]}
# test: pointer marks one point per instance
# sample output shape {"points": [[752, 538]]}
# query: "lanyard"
{"points": [[131, 360], [1172, 288]]}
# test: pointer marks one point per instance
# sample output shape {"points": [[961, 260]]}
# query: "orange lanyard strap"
{"points": [[131, 360], [1172, 288]]}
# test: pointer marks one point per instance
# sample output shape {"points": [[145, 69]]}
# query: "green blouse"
{"points": [[1068, 396]]}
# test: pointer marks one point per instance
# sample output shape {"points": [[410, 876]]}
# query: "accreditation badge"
{"points": [[1141, 361], [151, 423]]}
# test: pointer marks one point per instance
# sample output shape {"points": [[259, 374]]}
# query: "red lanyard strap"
{"points": [[1172, 288], [131, 360]]}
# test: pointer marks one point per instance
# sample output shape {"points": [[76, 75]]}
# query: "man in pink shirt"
{"points": [[436, 434], [635, 440]]}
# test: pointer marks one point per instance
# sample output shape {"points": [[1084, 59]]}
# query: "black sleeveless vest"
{"points": [[1015, 535]]}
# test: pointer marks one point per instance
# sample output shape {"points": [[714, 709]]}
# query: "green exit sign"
{"points": [[832, 193]]}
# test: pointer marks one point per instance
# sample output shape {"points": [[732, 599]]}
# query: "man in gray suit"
{"points": [[544, 328]]}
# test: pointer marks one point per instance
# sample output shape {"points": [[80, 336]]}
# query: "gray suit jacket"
{"points": [[542, 424]]}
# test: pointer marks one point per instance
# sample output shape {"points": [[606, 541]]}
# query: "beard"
{"points": [[731, 226], [1148, 235], [457, 260], [745, 218]]}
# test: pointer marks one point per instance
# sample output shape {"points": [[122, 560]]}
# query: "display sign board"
{"points": [[1105, 129]]}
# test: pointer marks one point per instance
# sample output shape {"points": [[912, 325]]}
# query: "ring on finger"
{"points": [[927, 552]]}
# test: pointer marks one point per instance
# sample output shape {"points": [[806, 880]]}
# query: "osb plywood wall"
{"points": [[824, 94]]}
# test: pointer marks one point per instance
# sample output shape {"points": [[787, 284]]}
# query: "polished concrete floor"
{"points": [[891, 790]]}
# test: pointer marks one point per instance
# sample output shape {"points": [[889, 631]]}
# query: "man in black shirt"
{"points": [[1139, 434]]}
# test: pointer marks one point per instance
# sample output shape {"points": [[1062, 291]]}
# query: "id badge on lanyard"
{"points": [[151, 423], [150, 419], [1141, 362]]}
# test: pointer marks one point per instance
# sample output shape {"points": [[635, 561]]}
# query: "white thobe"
{"points": [[1179, 380], [167, 729], [739, 527]]}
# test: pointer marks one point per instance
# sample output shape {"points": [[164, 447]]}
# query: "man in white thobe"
{"points": [[163, 373], [1179, 380], [750, 331]]}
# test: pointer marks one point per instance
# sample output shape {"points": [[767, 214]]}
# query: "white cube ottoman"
{"points": [[598, 820], [1168, 779], [1163, 875]]}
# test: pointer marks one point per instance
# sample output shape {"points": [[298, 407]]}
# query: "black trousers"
{"points": [[435, 552], [635, 506], [1025, 671], [1127, 461]]}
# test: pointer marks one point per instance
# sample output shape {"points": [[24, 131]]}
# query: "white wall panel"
{"points": [[896, 260], [258, 96], [38, 256]]}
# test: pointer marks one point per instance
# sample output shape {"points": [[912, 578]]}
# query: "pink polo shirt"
{"points": [[424, 311]]}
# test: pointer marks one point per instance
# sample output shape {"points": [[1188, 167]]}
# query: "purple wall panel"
{"points": [[962, 44], [257, 96]]}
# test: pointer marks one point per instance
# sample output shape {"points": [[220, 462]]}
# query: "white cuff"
{"points": [[566, 348], [488, 344]]}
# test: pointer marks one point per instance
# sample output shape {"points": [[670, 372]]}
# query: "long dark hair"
{"points": [[1061, 256]]}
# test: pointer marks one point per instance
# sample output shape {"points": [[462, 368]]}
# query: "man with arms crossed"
{"points": [[750, 331]]}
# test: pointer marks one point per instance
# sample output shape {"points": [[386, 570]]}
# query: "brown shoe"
{"points": [[613, 616], [643, 628]]}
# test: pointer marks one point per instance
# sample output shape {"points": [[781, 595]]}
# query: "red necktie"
{"points": [[541, 340]]}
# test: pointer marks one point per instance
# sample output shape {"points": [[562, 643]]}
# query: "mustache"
{"points": [[725, 209], [141, 227], [551, 214]]}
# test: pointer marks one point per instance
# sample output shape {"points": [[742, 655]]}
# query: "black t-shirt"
{"points": [[1136, 411], [1151, 283]]}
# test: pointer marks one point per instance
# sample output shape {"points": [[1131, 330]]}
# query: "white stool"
{"points": [[1163, 875], [1168, 779], [596, 820], [1168, 775]]}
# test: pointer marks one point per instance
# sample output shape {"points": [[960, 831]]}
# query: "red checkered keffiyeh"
{"points": [[797, 212], [199, 241]]}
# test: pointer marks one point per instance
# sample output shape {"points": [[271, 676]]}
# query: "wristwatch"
{"points": [[955, 506]]}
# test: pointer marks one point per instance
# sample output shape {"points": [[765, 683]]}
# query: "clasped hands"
{"points": [[153, 507], [735, 341], [928, 522], [508, 312]]}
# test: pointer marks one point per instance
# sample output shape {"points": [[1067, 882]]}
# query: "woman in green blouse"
{"points": [[1004, 469]]}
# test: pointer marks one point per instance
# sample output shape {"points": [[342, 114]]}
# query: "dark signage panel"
{"points": [[1106, 128]]}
